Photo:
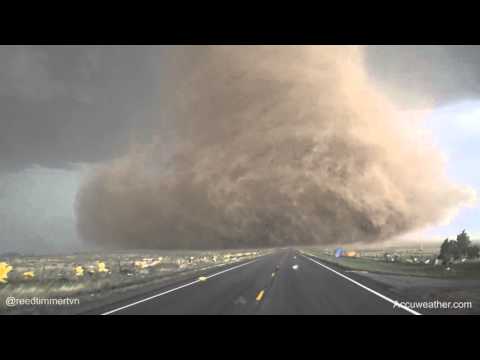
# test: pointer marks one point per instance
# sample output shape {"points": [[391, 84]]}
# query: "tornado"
{"points": [[265, 146]]}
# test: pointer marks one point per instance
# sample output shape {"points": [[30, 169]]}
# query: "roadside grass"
{"points": [[469, 270], [56, 276]]}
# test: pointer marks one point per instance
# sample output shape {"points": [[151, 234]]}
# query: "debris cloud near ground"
{"points": [[261, 146]]}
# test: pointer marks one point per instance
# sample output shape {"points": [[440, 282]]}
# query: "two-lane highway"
{"points": [[285, 282]]}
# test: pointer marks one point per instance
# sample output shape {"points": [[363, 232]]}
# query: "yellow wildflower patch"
{"points": [[4, 270], [29, 274], [102, 267], [78, 271], [141, 264]]}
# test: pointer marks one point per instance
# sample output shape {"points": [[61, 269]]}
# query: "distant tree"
{"points": [[463, 243], [444, 250], [449, 251], [473, 252], [456, 249]]}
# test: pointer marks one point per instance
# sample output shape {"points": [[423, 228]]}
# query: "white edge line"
{"points": [[177, 288], [395, 303]]}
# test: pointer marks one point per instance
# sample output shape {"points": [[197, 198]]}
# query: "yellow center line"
{"points": [[260, 295]]}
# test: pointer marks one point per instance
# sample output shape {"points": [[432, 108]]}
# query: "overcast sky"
{"points": [[65, 107]]}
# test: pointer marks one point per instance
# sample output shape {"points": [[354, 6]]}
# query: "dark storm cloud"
{"points": [[67, 104], [62, 104], [414, 75]]}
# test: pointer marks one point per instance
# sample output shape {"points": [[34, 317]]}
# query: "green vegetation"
{"points": [[461, 248], [403, 265]]}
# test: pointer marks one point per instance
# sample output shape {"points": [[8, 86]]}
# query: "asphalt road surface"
{"points": [[285, 282]]}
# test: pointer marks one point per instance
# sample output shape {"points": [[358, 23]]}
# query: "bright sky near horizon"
{"points": [[456, 131]]}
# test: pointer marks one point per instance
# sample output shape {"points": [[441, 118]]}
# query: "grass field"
{"points": [[374, 261], [98, 274]]}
